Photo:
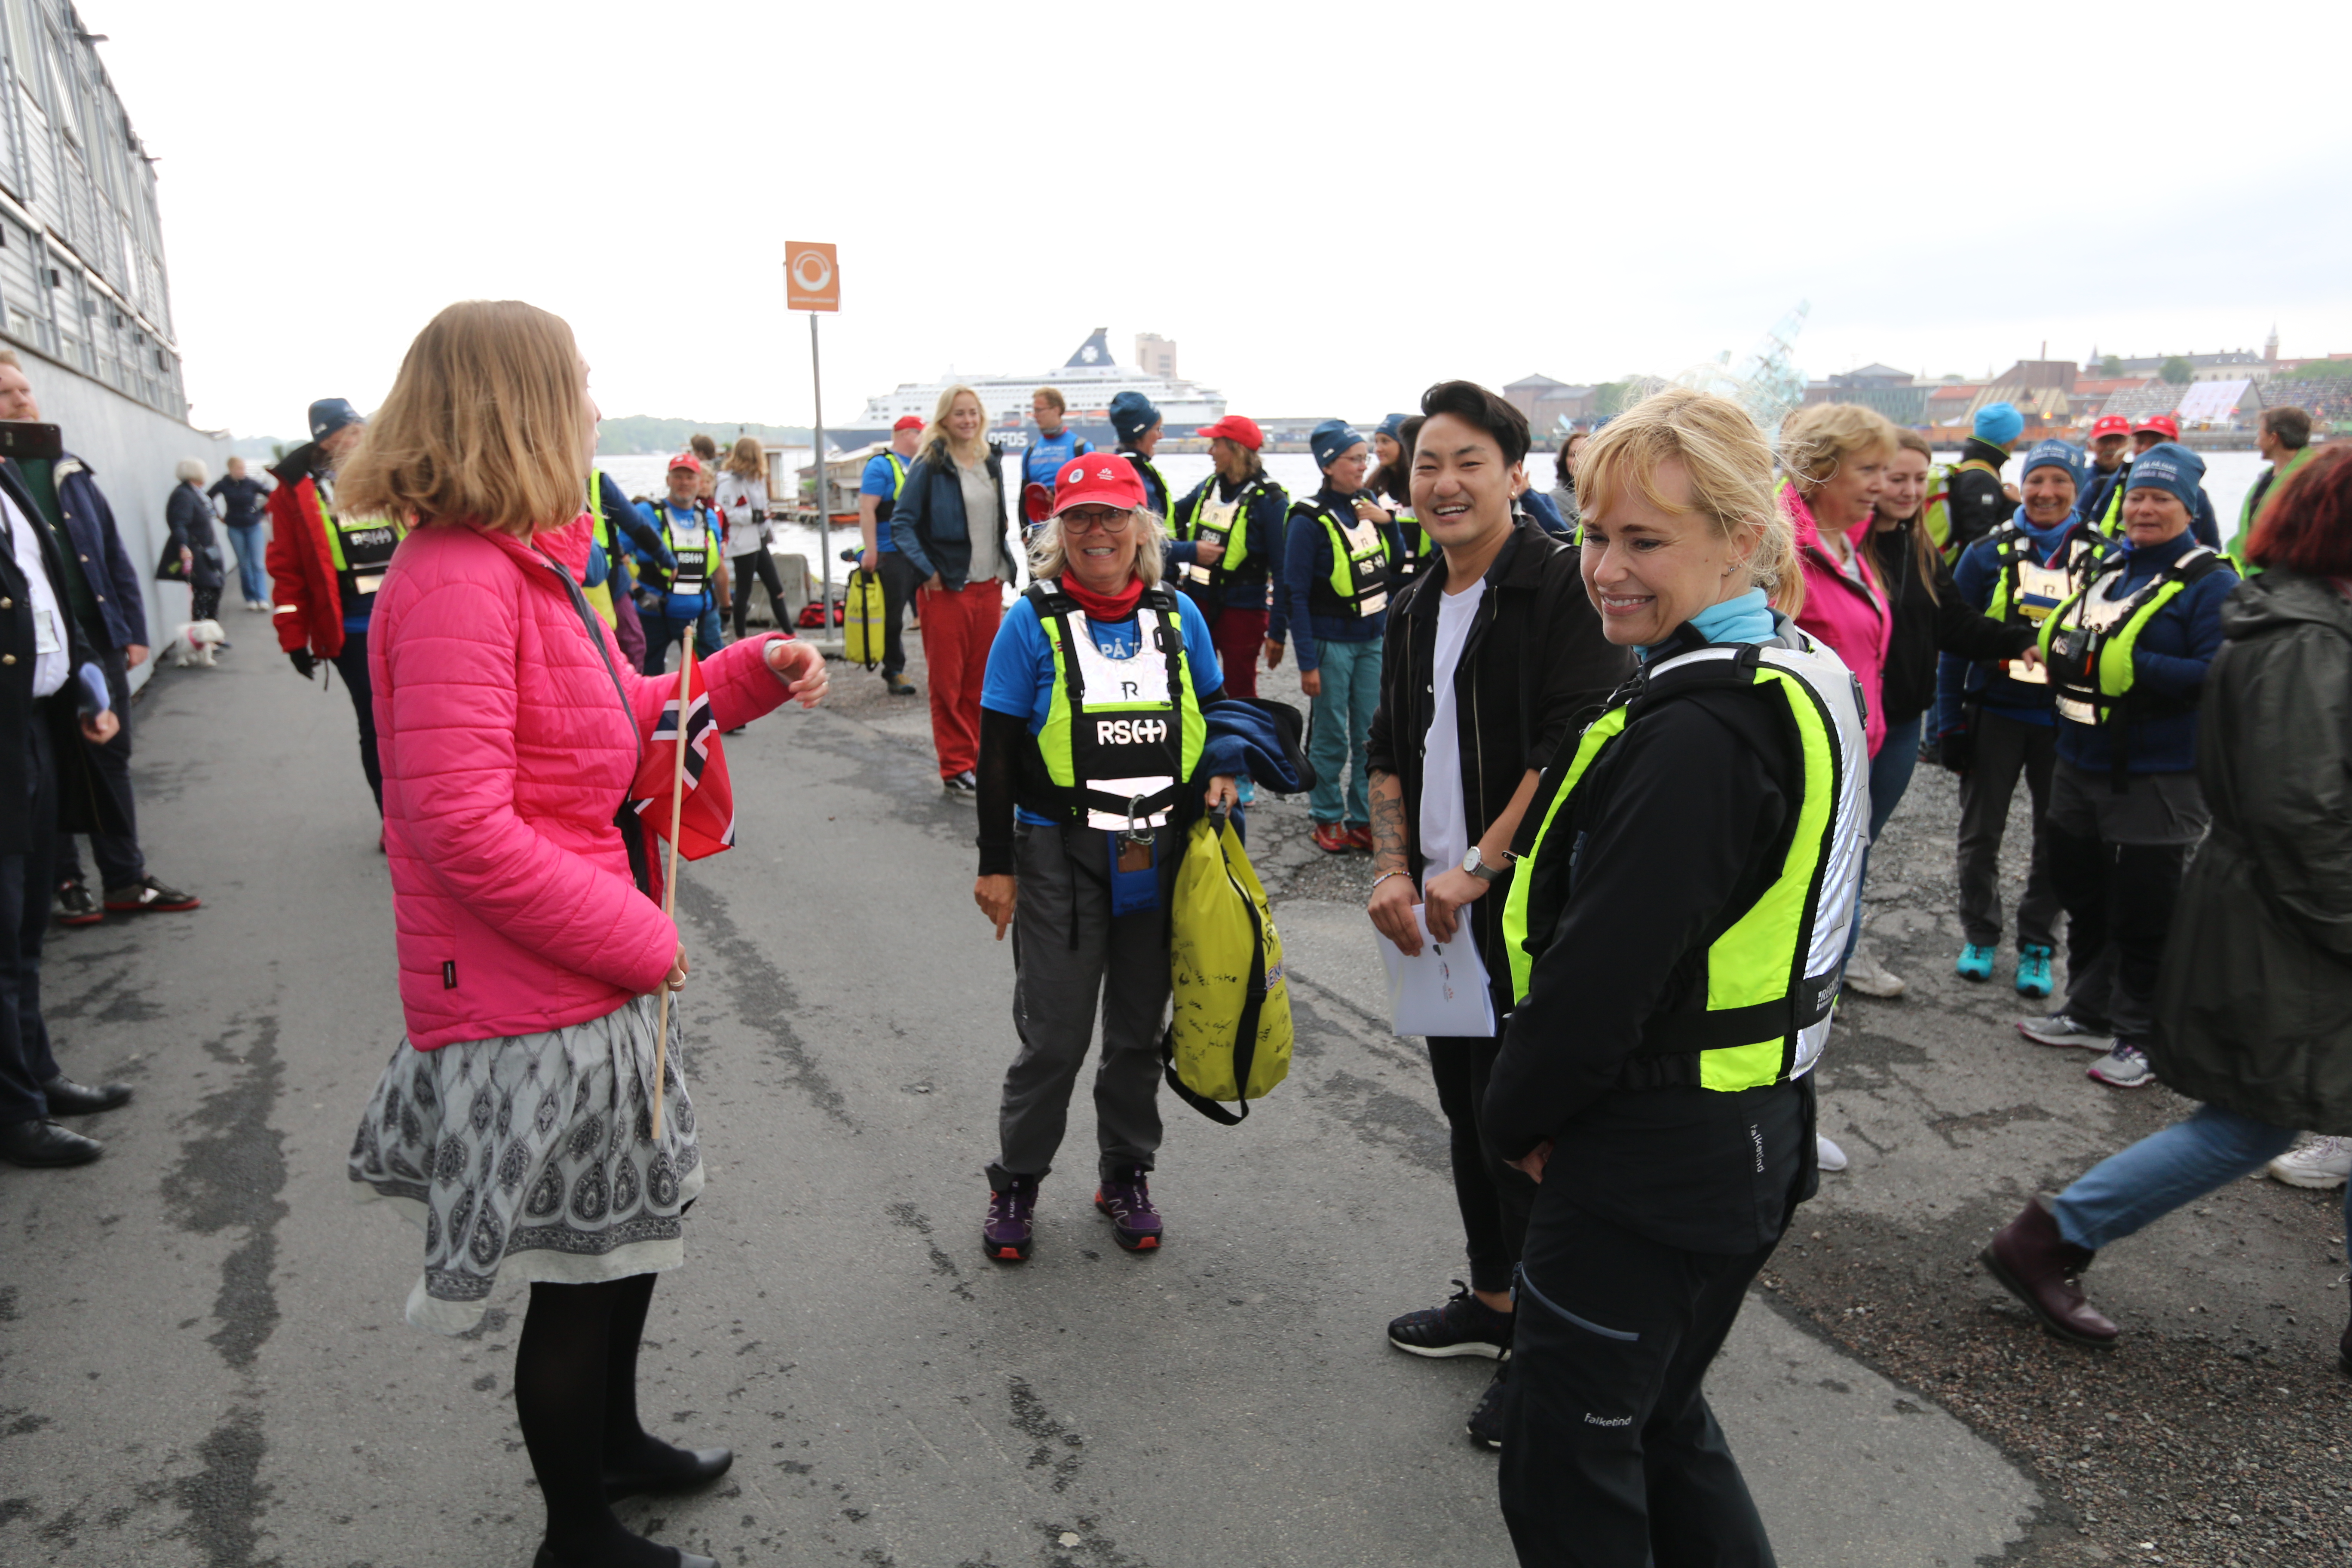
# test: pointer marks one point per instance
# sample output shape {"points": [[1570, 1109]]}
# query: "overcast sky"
{"points": [[1329, 207]]}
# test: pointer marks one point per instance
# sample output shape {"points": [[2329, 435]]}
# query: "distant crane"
{"points": [[1766, 383]]}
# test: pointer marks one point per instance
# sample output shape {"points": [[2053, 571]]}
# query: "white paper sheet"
{"points": [[1442, 992]]}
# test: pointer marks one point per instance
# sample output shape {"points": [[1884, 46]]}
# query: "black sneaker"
{"points": [[148, 895], [964, 784], [76, 906], [1464, 1326], [1485, 1422]]}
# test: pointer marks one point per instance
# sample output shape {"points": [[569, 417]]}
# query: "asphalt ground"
{"points": [[202, 1360]]}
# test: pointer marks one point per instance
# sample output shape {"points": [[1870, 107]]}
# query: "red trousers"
{"points": [[958, 629], [1239, 636]]}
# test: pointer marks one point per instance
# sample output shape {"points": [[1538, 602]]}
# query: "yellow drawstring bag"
{"points": [[1230, 1038], [864, 619]]}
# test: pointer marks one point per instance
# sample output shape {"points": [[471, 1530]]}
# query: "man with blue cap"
{"points": [[1979, 502], [325, 568], [1135, 419], [1332, 600]]}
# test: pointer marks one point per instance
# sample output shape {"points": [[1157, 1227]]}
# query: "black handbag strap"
{"points": [[632, 831]]}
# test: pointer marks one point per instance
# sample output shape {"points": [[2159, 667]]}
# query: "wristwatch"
{"points": [[1477, 865]]}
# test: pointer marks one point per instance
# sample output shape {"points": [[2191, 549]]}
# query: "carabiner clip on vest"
{"points": [[1134, 864]]}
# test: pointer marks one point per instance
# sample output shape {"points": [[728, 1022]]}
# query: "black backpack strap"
{"points": [[631, 832]]}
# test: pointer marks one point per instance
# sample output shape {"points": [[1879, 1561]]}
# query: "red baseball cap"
{"points": [[1098, 479], [686, 460], [2111, 425], [1238, 427], [2164, 425], [907, 422]]}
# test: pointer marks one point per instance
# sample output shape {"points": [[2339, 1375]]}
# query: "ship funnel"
{"points": [[1093, 352]]}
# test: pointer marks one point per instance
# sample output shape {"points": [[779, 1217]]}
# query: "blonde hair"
{"points": [[1817, 441], [747, 459], [938, 443], [1729, 464], [1049, 553], [487, 422], [191, 471]]}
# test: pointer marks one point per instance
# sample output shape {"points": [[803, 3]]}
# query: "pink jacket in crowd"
{"points": [[507, 751], [1852, 617]]}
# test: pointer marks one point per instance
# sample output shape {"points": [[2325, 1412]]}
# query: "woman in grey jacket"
{"points": [[2254, 1012]]}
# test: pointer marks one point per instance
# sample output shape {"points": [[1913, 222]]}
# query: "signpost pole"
{"points": [[823, 517]]}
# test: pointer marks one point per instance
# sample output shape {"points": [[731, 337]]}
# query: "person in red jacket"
{"points": [[325, 568]]}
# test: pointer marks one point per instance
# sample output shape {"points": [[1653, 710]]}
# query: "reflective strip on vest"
{"points": [[359, 564], [898, 473], [1771, 977], [688, 580], [2025, 591], [2088, 640], [1360, 555], [600, 594], [1114, 732], [1227, 523]]}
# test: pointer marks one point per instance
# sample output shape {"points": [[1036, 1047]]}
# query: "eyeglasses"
{"points": [[1090, 521]]}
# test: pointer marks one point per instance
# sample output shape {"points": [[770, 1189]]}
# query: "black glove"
{"points": [[305, 665], [1956, 749]]}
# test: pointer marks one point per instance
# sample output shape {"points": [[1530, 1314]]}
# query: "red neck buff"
{"points": [[1116, 607]]}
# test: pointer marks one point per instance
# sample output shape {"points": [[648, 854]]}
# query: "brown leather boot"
{"points": [[2040, 1268]]}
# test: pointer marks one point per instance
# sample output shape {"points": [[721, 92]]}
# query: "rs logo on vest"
{"points": [[1130, 731]]}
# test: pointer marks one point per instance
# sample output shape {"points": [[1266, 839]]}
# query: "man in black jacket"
{"points": [[1489, 656], [52, 698], [1980, 502]]}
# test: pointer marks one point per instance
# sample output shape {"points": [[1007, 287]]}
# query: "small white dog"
{"points": [[193, 644]]}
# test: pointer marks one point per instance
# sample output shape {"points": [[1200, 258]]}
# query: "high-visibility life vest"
{"points": [[1420, 550], [694, 571], [1227, 522], [1359, 584], [599, 594], [2087, 641], [360, 550], [885, 505], [2026, 589], [1762, 1014], [1122, 734], [1935, 515], [1157, 495]]}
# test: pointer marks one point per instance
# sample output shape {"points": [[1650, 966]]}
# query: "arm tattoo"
{"points": [[1389, 851]]}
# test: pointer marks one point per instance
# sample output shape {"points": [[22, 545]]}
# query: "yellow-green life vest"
{"points": [[1762, 1013], [600, 593], [1227, 522], [360, 550], [2026, 590], [691, 576], [1121, 735], [2087, 642], [1358, 582]]}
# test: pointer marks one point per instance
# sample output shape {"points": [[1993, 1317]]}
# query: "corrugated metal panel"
{"points": [[24, 293]]}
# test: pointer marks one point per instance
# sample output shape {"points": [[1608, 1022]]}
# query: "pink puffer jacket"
{"points": [[1852, 616], [507, 752]]}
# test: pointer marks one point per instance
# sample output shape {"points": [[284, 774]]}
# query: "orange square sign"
{"points": [[811, 276]]}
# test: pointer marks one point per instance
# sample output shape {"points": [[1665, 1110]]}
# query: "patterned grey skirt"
{"points": [[533, 1156]]}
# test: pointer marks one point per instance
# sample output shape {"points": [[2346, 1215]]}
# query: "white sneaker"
{"points": [[2125, 1067], [2322, 1162], [1830, 1156], [2058, 1029], [1872, 978]]}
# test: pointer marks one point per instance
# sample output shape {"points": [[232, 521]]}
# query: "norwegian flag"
{"points": [[706, 822]]}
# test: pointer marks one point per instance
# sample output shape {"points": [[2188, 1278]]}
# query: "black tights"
{"points": [[576, 1396]]}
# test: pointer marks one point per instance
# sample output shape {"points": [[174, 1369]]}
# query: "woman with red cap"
{"points": [[1228, 535], [1078, 837]]}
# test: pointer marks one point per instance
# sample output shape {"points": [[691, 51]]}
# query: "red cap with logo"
{"points": [[907, 422], [686, 460], [1098, 479], [2111, 425], [1238, 427], [2164, 425]]}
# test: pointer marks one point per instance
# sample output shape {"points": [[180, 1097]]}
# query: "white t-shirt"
{"points": [[736, 499], [1446, 831], [51, 660], [979, 519]]}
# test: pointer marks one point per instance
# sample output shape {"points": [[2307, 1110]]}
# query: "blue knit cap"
{"points": [[2170, 468], [2055, 454], [1132, 414], [1330, 439], [329, 414], [1393, 427], [1999, 423]]}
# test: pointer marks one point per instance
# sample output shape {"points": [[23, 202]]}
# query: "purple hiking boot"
{"points": [[1127, 1198], [1005, 1236]]}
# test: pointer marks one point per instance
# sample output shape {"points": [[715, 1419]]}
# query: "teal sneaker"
{"points": [[2033, 969], [1974, 963]]}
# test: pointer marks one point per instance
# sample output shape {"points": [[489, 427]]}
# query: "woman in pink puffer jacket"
{"points": [[514, 1122]]}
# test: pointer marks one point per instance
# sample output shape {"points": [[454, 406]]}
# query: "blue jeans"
{"points": [[661, 631], [2126, 1191], [252, 576], [1343, 723], [1890, 771]]}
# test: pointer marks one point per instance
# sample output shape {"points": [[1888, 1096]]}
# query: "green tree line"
{"points": [[634, 433]]}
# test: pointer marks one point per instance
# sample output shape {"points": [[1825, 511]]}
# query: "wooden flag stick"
{"points": [[669, 878]]}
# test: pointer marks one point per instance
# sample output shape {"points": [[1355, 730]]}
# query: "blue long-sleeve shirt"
{"points": [[1307, 561], [2169, 659]]}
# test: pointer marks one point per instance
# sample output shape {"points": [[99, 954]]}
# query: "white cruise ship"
{"points": [[1089, 379]]}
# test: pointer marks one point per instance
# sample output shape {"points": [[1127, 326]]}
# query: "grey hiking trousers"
{"points": [[1070, 960]]}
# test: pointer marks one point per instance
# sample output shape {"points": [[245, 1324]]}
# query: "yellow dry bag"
{"points": [[864, 619], [1230, 1038]]}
